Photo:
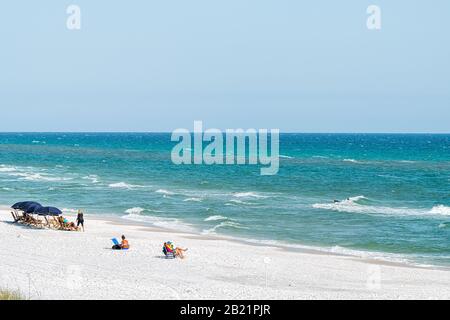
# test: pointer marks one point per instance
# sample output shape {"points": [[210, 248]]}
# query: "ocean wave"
{"points": [[92, 177], [249, 195], [123, 185], [236, 201], [225, 224], [444, 225], [4, 168], [440, 210], [285, 157], [215, 218], [70, 211], [351, 160], [166, 223], [383, 256], [165, 192], [135, 210], [38, 177], [193, 200], [351, 205]]}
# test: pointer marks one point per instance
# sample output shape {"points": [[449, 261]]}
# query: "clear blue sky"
{"points": [[304, 66]]}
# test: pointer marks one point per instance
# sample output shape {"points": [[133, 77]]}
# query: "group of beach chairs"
{"points": [[56, 223]]}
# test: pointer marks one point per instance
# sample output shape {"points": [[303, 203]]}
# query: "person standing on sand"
{"points": [[80, 219]]}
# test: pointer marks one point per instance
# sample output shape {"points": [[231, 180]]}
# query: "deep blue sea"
{"points": [[394, 190]]}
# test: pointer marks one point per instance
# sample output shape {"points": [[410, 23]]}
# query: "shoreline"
{"points": [[51, 264], [147, 226], [118, 220]]}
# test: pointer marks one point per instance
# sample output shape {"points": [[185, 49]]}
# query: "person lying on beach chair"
{"points": [[64, 224], [124, 245], [168, 250], [32, 222], [179, 252], [171, 253]]}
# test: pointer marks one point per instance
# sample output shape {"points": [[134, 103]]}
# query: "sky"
{"points": [[299, 66]]}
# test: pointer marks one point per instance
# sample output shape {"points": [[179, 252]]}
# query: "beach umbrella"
{"points": [[48, 211], [23, 205], [32, 208]]}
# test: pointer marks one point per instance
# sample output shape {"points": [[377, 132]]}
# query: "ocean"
{"points": [[393, 190]]}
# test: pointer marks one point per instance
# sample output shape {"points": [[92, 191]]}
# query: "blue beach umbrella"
{"points": [[24, 205], [32, 208], [48, 211]]}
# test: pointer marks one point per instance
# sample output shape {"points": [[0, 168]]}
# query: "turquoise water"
{"points": [[394, 189]]}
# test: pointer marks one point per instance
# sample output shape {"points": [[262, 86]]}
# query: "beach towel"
{"points": [[115, 242]]}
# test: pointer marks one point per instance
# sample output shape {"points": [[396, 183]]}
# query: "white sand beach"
{"points": [[50, 264]]}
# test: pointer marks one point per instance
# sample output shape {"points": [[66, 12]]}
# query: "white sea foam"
{"points": [[123, 185], [68, 210], [248, 195], [440, 210], [286, 157], [165, 192], [193, 200], [92, 177], [29, 176], [166, 223], [236, 201], [216, 218], [379, 256], [351, 205], [135, 210], [4, 168], [351, 160], [225, 224]]}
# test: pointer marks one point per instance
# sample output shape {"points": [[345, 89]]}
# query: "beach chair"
{"points": [[117, 243], [36, 222], [53, 223], [168, 251], [16, 218]]}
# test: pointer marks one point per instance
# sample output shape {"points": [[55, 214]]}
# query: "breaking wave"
{"points": [[165, 192], [136, 210], [192, 200], [353, 205], [225, 224], [215, 218], [249, 195], [124, 185]]}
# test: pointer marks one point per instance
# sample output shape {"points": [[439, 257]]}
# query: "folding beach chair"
{"points": [[117, 243], [168, 251], [16, 219]]}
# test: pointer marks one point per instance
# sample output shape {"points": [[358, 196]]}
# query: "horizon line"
{"points": [[169, 132]]}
